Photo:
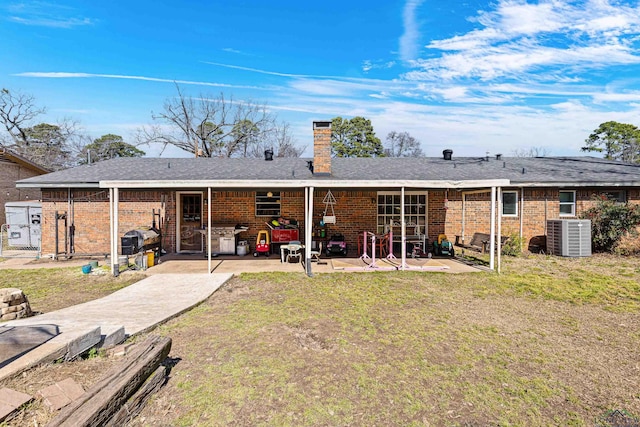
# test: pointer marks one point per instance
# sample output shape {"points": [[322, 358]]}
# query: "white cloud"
{"points": [[45, 14], [409, 42], [519, 39], [65, 75]]}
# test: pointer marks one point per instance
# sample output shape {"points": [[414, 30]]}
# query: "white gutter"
{"points": [[538, 184], [333, 183], [59, 185]]}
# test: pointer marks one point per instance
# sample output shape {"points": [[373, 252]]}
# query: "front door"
{"points": [[190, 221]]}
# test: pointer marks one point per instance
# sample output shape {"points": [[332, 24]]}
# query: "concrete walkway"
{"points": [[109, 320]]}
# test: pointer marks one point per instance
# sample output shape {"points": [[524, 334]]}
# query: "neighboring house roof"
{"points": [[10, 156], [356, 172]]}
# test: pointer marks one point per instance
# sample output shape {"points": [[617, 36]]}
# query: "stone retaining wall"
{"points": [[13, 304]]}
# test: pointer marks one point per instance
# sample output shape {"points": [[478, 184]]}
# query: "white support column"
{"points": [[499, 242], [114, 232], [208, 246], [111, 241], [492, 231], [521, 213], [308, 230], [403, 232]]}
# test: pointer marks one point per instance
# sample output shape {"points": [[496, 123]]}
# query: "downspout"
{"points": [[492, 235], [208, 248]]}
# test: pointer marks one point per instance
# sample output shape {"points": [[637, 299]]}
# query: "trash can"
{"points": [[150, 259]]}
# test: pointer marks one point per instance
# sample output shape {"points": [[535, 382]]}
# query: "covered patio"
{"points": [[196, 264]]}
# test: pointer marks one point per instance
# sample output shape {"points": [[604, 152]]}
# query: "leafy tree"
{"points": [[611, 220], [618, 141], [46, 144], [107, 147], [401, 144], [211, 126], [354, 138]]}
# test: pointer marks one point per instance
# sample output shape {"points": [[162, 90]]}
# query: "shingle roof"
{"points": [[519, 170], [10, 156]]}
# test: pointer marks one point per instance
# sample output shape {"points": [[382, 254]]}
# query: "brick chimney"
{"points": [[322, 148]]}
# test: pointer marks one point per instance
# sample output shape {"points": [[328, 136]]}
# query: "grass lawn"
{"points": [[551, 341], [50, 289]]}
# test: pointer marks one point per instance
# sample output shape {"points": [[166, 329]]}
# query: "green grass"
{"points": [[409, 348], [50, 289]]}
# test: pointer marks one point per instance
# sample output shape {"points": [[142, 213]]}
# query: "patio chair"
{"points": [[315, 255], [295, 251], [383, 245]]}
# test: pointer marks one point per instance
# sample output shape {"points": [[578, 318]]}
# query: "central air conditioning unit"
{"points": [[569, 237]]}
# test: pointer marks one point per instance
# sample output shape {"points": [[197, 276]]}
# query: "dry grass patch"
{"points": [[550, 342]]}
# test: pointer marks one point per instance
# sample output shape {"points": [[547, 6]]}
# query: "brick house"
{"points": [[457, 196], [14, 168]]}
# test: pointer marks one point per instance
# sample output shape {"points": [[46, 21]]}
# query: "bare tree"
{"points": [[401, 144], [53, 146], [210, 126], [531, 152], [17, 111], [280, 140]]}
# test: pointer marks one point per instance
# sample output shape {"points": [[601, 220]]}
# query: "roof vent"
{"points": [[268, 154], [498, 156], [447, 154]]}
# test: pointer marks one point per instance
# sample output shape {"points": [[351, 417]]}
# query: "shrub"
{"points": [[610, 222], [513, 246]]}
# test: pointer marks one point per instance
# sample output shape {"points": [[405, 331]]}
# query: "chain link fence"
{"points": [[20, 241]]}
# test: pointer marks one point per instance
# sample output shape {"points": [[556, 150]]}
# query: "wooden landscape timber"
{"points": [[101, 402]]}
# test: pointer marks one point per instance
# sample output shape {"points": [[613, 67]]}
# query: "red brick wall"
{"points": [[89, 213], [322, 147], [540, 204], [10, 173], [355, 212]]}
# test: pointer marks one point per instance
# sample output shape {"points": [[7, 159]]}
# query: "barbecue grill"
{"points": [[140, 240]]}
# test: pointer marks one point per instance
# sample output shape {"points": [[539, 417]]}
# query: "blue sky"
{"points": [[474, 76]]}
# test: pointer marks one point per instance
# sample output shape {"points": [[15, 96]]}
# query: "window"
{"points": [[567, 203], [509, 203], [619, 196], [268, 203], [415, 210]]}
